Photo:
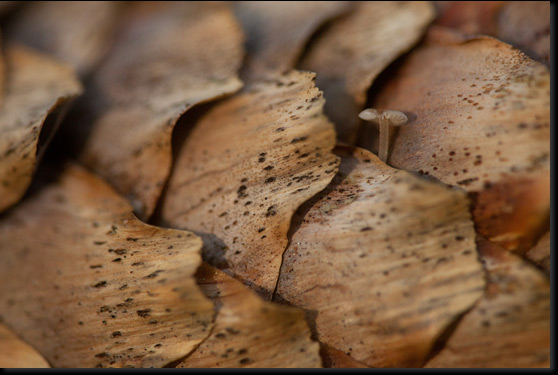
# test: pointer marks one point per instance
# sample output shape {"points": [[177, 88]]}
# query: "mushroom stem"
{"points": [[384, 140], [386, 119]]}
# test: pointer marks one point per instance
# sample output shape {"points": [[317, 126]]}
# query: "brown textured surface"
{"points": [[335, 358], [76, 32], [89, 285], [385, 259], [483, 125], [350, 54], [35, 86], [526, 24], [244, 170], [2, 74], [471, 17], [168, 59], [540, 253], [277, 31], [249, 332], [15, 353], [510, 326]]}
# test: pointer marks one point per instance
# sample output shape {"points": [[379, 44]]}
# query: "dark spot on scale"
{"points": [[261, 229], [241, 192], [268, 168], [153, 275], [299, 139], [271, 211], [143, 313], [459, 238], [269, 180], [100, 284]]}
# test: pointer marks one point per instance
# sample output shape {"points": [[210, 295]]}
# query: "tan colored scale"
{"points": [[277, 31], [35, 87], [89, 285], [480, 120], [350, 54], [249, 332], [168, 59], [510, 326], [246, 167], [383, 260], [540, 253], [16, 353], [76, 32]]}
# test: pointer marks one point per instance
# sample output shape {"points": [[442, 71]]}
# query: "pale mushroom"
{"points": [[385, 119]]}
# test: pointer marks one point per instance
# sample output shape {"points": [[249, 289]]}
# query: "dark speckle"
{"points": [[232, 330], [241, 192], [143, 313], [271, 211], [299, 139]]}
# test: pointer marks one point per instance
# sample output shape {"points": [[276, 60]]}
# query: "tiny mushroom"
{"points": [[385, 119]]}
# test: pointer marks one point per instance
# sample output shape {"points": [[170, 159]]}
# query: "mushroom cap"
{"points": [[395, 118]]}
